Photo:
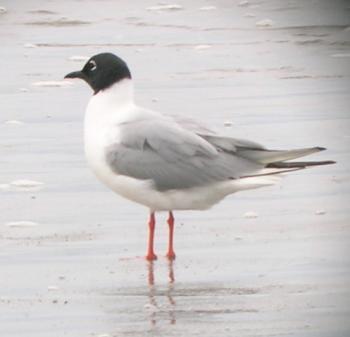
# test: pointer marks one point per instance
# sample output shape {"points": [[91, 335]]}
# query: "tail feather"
{"points": [[253, 182], [300, 164], [275, 163], [265, 156], [272, 171]]}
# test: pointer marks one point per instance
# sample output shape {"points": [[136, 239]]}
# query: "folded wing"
{"points": [[172, 157]]}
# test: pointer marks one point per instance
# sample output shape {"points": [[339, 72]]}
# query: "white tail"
{"points": [[272, 156], [255, 182]]}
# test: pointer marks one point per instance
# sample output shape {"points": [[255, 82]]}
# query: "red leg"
{"points": [[150, 253], [171, 254]]}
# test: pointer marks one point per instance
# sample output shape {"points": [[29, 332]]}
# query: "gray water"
{"points": [[276, 72]]}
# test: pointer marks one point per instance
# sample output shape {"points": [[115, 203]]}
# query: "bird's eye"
{"points": [[92, 65]]}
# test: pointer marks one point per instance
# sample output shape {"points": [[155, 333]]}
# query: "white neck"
{"points": [[121, 92], [113, 104]]}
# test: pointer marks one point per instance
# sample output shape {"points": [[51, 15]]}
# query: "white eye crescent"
{"points": [[93, 65]]}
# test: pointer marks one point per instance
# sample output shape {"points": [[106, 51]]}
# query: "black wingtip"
{"points": [[320, 148], [302, 164], [329, 162]]}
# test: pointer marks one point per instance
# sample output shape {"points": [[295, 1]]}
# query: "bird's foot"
{"points": [[171, 255], [151, 257]]}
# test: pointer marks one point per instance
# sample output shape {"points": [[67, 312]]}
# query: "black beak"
{"points": [[76, 74]]}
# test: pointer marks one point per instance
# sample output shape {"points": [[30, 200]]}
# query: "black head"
{"points": [[102, 71]]}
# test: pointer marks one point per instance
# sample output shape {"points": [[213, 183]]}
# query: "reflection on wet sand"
{"points": [[283, 273], [168, 293]]}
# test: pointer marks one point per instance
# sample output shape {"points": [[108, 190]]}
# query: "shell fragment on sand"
{"points": [[78, 58], [51, 84], [264, 23], [207, 8], [52, 288], [26, 183], [202, 47], [250, 215], [21, 224], [29, 45], [165, 7], [14, 122]]}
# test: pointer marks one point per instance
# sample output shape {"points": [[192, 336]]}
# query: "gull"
{"points": [[163, 162]]}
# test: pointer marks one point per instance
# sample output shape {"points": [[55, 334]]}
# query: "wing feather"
{"points": [[172, 157]]}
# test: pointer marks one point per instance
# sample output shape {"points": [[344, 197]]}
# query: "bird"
{"points": [[165, 162]]}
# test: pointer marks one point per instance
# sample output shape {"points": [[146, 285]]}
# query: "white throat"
{"points": [[111, 104]]}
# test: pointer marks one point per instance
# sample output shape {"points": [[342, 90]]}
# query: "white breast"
{"points": [[104, 112]]}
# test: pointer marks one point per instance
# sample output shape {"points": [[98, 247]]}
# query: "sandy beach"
{"points": [[268, 262]]}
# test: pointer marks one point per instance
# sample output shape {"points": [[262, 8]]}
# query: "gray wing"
{"points": [[192, 125], [224, 143], [172, 157]]}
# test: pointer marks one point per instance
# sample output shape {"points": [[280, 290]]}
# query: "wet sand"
{"points": [[269, 262]]}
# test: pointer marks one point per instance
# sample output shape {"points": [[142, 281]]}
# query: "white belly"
{"points": [[142, 191]]}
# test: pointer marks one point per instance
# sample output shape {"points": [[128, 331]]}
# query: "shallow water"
{"points": [[274, 72]]}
